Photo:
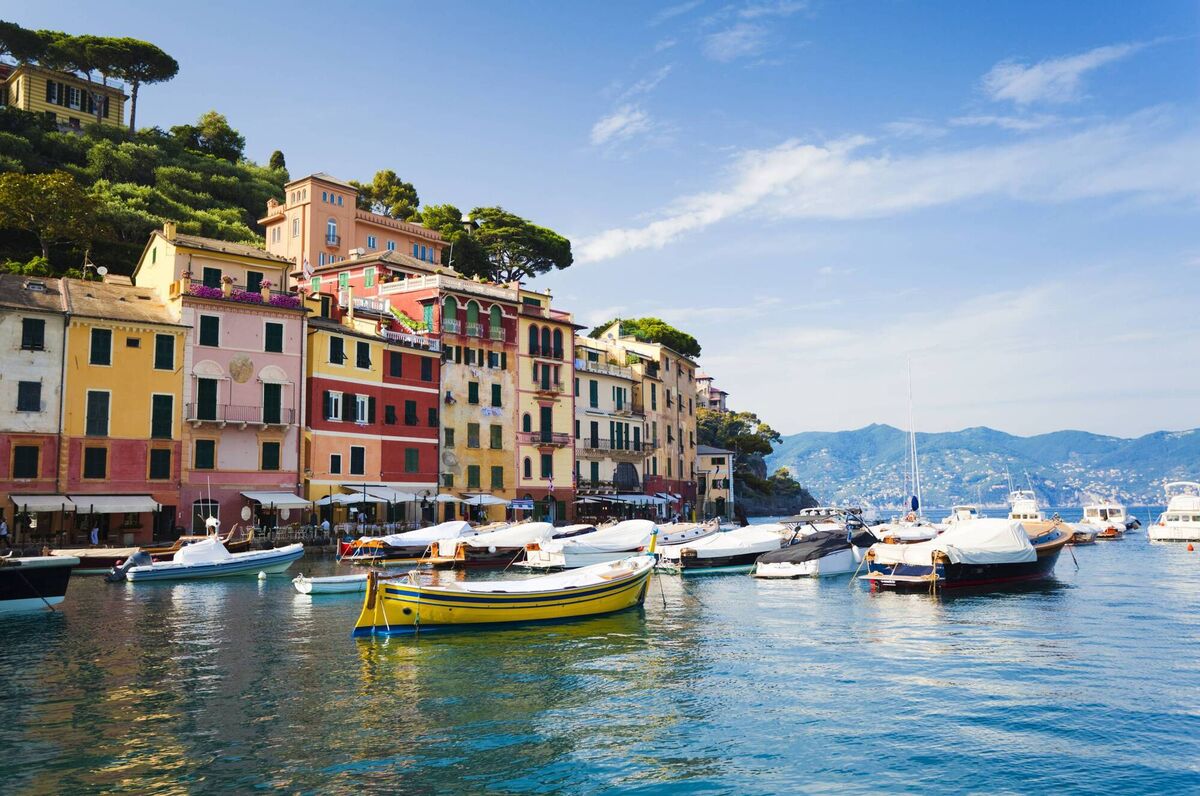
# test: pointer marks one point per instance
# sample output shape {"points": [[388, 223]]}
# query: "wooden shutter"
{"points": [[371, 409], [504, 360], [326, 405]]}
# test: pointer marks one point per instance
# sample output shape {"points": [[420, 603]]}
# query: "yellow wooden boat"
{"points": [[404, 605]]}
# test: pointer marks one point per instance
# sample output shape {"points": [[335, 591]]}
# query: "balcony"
{"points": [[368, 305], [497, 333], [452, 326], [548, 387], [545, 439], [416, 340], [333, 240], [224, 414], [475, 330], [450, 283], [633, 449], [604, 369], [239, 294]]}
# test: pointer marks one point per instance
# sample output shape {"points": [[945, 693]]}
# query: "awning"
{"points": [[444, 498], [348, 500], [42, 502], [643, 500], [114, 504], [279, 500], [484, 500], [386, 493]]}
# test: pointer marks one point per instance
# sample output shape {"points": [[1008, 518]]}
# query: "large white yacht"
{"points": [[1023, 506], [1181, 521]]}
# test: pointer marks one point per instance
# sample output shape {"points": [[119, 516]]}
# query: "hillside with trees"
{"points": [[751, 441], [654, 330]]}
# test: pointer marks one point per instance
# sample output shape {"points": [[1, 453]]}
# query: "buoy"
{"points": [[262, 576], [1190, 548]]}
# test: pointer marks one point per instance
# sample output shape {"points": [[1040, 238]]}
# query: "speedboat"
{"points": [[502, 547], [619, 541], [405, 605], [729, 551], [1107, 520], [989, 552], [962, 514], [407, 546], [816, 555], [335, 584], [208, 558], [1181, 521], [36, 582]]}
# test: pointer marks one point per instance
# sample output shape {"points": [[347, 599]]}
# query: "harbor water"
{"points": [[720, 684]]}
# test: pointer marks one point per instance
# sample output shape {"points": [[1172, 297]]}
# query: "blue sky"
{"points": [[1003, 194]]}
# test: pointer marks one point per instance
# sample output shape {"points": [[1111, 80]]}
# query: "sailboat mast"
{"points": [[912, 442]]}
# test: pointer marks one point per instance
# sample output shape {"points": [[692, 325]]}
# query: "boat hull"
{"points": [[251, 564], [343, 584], [841, 562], [1174, 533], [404, 608], [34, 584], [695, 565], [963, 576]]}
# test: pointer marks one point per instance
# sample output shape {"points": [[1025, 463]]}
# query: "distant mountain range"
{"points": [[868, 465]]}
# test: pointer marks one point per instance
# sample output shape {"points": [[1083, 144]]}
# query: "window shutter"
{"points": [[348, 402], [503, 360], [371, 409], [326, 405], [49, 91], [458, 354]]}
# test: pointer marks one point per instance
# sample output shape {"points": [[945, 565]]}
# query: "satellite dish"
{"points": [[102, 270]]}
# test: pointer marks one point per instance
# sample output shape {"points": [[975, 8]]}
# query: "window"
{"points": [[593, 393], [495, 395], [337, 353], [391, 245], [29, 396], [331, 235], [335, 463], [133, 342], [472, 476], [362, 355], [595, 472], [473, 392], [424, 254], [447, 480], [273, 337], [33, 334], [315, 284], [272, 402], [210, 330], [472, 435], [433, 417], [25, 461], [206, 399], [164, 352], [254, 281], [101, 350], [497, 478], [95, 462], [558, 344], [270, 456], [547, 465], [204, 454], [412, 460], [448, 438], [371, 244], [416, 250], [211, 277], [162, 416], [653, 396], [497, 437], [96, 422], [426, 369], [526, 422], [323, 259], [527, 467], [160, 464], [343, 280], [358, 460], [362, 409], [295, 227]]}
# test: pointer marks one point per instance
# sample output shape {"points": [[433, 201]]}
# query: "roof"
{"points": [[15, 293], [116, 302], [709, 450], [224, 247], [323, 177]]}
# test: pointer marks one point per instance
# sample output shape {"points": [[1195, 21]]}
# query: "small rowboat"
{"points": [[404, 605], [337, 584]]}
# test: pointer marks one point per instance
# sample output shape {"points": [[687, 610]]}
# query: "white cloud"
{"points": [[1019, 124], [664, 44], [1140, 157], [677, 10], [914, 128], [741, 40], [777, 8], [1052, 80], [620, 125], [646, 84]]}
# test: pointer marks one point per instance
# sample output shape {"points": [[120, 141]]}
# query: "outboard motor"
{"points": [[139, 559]]}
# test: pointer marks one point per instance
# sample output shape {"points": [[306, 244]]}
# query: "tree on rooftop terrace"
{"points": [[514, 248], [654, 330], [388, 195]]}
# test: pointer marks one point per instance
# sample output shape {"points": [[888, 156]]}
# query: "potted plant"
{"points": [[265, 286], [226, 286]]}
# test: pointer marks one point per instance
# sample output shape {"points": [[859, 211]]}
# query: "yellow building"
{"points": [[545, 407], [714, 475], [122, 411], [67, 99]]}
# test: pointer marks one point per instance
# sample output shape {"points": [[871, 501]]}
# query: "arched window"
{"points": [[533, 340], [473, 313], [545, 341], [449, 313], [558, 344], [528, 465], [495, 321], [331, 235], [526, 422]]}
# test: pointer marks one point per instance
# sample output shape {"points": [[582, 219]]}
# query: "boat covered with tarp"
{"points": [[728, 551], [408, 545], [405, 604], [503, 547], [819, 554], [976, 553], [618, 541]]}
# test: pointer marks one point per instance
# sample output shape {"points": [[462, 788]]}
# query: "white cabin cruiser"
{"points": [[1181, 521], [1108, 520], [1023, 506], [962, 513]]}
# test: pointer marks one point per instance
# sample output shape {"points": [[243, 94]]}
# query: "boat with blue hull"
{"points": [[973, 554], [210, 559], [35, 583]]}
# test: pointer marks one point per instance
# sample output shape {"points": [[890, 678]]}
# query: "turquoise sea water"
{"points": [[720, 684]]}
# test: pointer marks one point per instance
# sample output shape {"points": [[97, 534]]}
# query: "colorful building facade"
{"points": [[242, 373], [714, 481], [611, 445], [63, 97]]}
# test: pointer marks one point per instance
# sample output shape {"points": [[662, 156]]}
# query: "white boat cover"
{"points": [[512, 536], [629, 535], [206, 551], [986, 541], [114, 504], [730, 543], [573, 530], [42, 502], [572, 578], [280, 500], [454, 529]]}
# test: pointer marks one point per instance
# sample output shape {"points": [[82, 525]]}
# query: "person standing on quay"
{"points": [[4, 532], [95, 532]]}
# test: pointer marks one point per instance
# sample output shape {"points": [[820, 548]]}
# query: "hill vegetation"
{"points": [[654, 330], [751, 440]]}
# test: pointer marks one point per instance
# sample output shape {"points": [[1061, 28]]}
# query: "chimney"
{"points": [[169, 230]]}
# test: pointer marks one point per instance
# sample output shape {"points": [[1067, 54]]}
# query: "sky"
{"points": [[1001, 199]]}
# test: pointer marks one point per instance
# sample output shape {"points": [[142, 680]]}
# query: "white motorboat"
{"points": [[963, 513], [1181, 521], [1107, 519], [209, 559], [336, 584], [1023, 506], [619, 541], [817, 555], [729, 551]]}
